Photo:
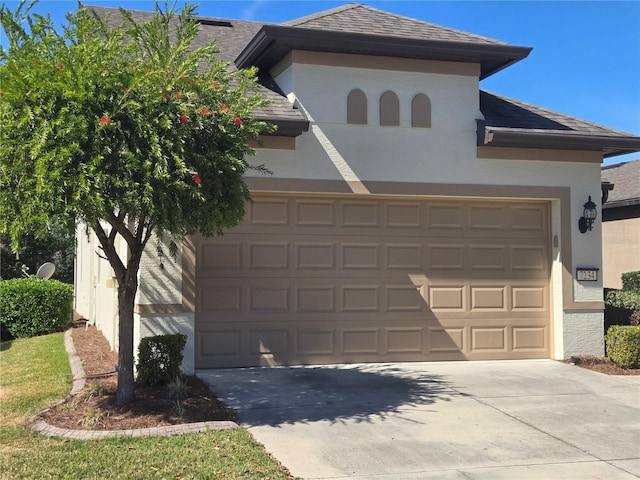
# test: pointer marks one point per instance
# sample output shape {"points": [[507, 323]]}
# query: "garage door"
{"points": [[314, 280]]}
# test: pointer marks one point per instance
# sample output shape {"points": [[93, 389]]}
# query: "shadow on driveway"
{"points": [[361, 393]]}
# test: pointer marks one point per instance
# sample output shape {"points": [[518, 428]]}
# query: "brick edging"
{"points": [[79, 380]]}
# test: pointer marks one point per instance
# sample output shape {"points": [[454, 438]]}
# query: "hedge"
{"points": [[623, 345], [159, 358], [30, 307]]}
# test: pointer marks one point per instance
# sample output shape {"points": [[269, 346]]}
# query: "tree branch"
{"points": [[109, 250], [117, 223]]}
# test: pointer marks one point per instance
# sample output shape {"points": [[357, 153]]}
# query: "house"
{"points": [[411, 216], [620, 222]]}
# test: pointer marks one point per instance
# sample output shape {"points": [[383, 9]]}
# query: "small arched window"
{"points": [[421, 111], [357, 107], [389, 110]]}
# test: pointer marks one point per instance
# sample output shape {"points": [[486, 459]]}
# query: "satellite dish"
{"points": [[45, 271]]}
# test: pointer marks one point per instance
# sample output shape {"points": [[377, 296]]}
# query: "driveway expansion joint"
{"points": [[79, 381]]}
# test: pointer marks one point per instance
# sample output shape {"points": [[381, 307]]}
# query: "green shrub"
{"points": [[31, 307], [159, 358], [622, 307], [631, 282], [623, 345]]}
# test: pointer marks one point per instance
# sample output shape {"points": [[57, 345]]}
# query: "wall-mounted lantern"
{"points": [[588, 216]]}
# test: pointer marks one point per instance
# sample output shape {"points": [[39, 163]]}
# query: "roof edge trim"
{"points": [[609, 145], [272, 42]]}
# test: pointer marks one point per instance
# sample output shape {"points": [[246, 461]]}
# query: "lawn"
{"points": [[35, 372]]}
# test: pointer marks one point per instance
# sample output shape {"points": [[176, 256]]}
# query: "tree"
{"points": [[57, 246], [127, 128]]}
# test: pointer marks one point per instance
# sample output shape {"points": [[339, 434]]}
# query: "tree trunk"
{"points": [[125, 392]]}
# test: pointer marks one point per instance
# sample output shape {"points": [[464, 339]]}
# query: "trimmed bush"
{"points": [[622, 307], [30, 307], [631, 282], [623, 345], [159, 358]]}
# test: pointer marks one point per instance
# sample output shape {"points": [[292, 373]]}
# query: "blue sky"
{"points": [[585, 60]]}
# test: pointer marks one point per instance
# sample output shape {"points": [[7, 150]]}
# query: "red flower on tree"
{"points": [[166, 97], [104, 120], [177, 94], [196, 179], [59, 66], [223, 107], [238, 121], [216, 86], [204, 111], [183, 119]]}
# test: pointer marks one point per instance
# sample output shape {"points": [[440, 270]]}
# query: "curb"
{"points": [[79, 380]]}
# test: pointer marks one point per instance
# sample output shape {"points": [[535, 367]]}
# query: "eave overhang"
{"points": [[610, 146], [273, 42], [286, 128]]}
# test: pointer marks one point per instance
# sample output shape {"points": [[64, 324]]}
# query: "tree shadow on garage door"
{"points": [[361, 393]]}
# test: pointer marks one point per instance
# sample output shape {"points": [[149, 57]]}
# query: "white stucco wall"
{"points": [[160, 278], [96, 294], [583, 333], [148, 325]]}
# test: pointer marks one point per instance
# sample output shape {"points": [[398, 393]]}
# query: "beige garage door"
{"points": [[311, 280]]}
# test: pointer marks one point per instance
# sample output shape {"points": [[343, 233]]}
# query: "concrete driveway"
{"points": [[536, 419]]}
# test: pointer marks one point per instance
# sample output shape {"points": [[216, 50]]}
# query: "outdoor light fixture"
{"points": [[588, 216]]}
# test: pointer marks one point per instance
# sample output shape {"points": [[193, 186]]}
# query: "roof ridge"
{"points": [[443, 27], [555, 112], [618, 165], [296, 22], [299, 22]]}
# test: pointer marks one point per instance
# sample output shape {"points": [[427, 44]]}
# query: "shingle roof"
{"points": [[507, 122], [508, 117], [358, 18], [626, 180], [231, 36]]}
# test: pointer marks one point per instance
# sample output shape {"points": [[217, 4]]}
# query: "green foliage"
{"points": [[624, 299], [631, 282], [159, 358], [112, 118], [623, 345], [129, 128], [57, 246], [31, 307], [624, 303]]}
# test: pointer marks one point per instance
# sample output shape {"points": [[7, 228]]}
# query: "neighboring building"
{"points": [[410, 216], [621, 222]]}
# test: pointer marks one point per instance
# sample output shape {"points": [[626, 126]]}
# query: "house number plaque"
{"points": [[587, 274]]}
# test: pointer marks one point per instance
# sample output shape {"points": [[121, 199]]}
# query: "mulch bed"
{"points": [[602, 365], [95, 409]]}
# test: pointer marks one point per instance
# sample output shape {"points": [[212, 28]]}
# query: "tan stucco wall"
{"points": [[620, 250]]}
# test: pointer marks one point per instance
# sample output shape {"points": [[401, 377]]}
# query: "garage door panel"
{"points": [[530, 339], [447, 340], [324, 279], [361, 340]]}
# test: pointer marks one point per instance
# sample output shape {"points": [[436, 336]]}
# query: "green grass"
{"points": [[35, 372]]}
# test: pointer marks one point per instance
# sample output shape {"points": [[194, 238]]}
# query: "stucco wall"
{"points": [[148, 325], [160, 279], [96, 295], [620, 250], [583, 334]]}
